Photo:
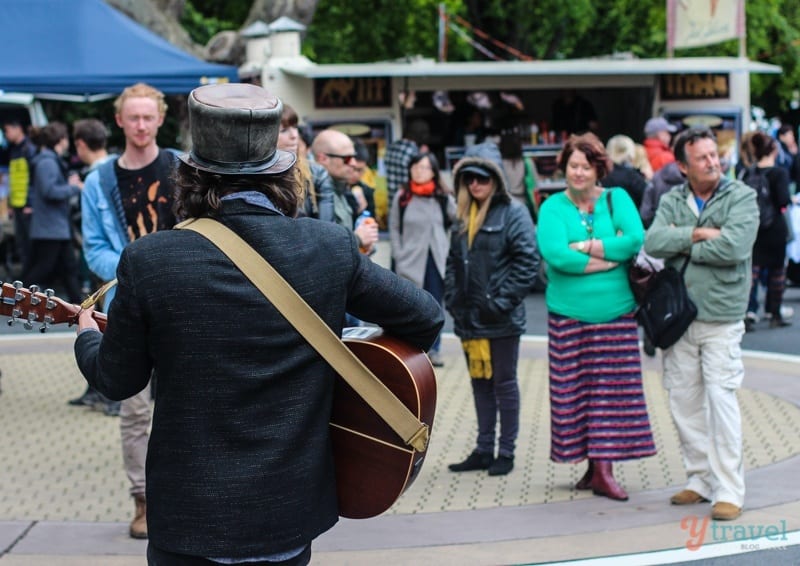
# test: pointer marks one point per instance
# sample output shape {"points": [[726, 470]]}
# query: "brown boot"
{"points": [[586, 481], [139, 524], [603, 482]]}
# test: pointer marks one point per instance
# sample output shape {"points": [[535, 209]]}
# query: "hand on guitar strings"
{"points": [[86, 321]]}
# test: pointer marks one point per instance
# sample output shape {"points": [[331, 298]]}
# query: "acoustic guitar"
{"points": [[373, 464]]}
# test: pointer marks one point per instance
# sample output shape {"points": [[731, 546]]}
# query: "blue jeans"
{"points": [[434, 284], [500, 394]]}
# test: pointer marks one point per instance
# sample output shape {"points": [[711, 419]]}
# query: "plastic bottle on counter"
{"points": [[534, 133], [364, 218]]}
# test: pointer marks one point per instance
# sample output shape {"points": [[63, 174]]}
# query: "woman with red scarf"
{"points": [[419, 226]]}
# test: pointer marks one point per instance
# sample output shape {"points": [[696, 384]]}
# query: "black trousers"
{"points": [[157, 557], [51, 261]]}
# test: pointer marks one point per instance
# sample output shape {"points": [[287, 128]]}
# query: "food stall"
{"points": [[381, 99]]}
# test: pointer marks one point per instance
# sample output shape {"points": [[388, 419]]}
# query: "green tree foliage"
{"points": [[364, 30], [205, 18], [361, 31]]}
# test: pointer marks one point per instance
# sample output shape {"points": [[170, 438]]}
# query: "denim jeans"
{"points": [[500, 394]]}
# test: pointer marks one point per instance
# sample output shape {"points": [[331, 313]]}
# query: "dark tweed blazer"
{"points": [[239, 462]]}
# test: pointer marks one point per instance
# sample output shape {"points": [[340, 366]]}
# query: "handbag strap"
{"points": [[318, 334]]}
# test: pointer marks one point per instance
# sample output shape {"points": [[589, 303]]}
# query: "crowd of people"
{"points": [[473, 249]]}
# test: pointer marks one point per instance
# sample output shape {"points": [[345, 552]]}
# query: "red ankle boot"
{"points": [[586, 481], [603, 482]]}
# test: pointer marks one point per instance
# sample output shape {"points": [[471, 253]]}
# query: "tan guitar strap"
{"points": [[318, 334]]}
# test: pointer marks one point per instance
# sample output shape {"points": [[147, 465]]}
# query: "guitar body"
{"points": [[373, 464]]}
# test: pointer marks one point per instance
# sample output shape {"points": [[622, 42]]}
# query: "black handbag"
{"points": [[666, 310]]}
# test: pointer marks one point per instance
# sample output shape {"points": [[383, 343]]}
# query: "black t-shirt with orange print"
{"points": [[147, 197]]}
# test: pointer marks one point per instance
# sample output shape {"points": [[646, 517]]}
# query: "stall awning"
{"points": [[85, 47], [570, 67]]}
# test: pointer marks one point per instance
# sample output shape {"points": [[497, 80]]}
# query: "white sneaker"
{"points": [[751, 316]]}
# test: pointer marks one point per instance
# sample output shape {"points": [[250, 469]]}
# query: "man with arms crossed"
{"points": [[712, 220]]}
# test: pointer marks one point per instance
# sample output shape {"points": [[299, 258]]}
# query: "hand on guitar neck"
{"points": [[31, 306]]}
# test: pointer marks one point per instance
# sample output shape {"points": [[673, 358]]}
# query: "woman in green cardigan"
{"points": [[588, 235]]}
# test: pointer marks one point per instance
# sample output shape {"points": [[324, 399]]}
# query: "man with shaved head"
{"points": [[334, 150]]}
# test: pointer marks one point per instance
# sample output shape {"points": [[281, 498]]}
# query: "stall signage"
{"points": [[694, 86], [352, 92]]}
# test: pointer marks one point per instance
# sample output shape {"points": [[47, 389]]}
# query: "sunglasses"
{"points": [[469, 178], [347, 159]]}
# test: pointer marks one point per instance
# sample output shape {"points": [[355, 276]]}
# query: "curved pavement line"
{"points": [[577, 529]]}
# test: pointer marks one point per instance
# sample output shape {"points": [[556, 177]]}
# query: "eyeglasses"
{"points": [[347, 159], [469, 178]]}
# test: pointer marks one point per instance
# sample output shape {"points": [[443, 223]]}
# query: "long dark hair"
{"points": [[441, 189], [199, 193], [762, 145]]}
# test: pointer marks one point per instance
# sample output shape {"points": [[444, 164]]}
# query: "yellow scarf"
{"points": [[479, 356], [472, 226]]}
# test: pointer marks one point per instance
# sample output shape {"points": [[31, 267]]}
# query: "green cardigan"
{"points": [[595, 297]]}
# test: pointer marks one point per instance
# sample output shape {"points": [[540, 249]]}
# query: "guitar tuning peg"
{"points": [[34, 299], [15, 314], [49, 304], [18, 294], [43, 328], [28, 324]]}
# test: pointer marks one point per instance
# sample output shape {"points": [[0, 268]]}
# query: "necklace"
{"points": [[587, 220], [586, 216]]}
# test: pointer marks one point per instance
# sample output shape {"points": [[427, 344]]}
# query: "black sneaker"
{"points": [[112, 408], [501, 466], [88, 399], [475, 461]]}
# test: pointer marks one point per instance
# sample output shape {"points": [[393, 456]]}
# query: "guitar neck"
{"points": [[31, 307]]}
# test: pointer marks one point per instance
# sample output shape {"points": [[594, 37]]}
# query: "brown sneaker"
{"points": [[687, 497], [139, 524], [722, 511]]}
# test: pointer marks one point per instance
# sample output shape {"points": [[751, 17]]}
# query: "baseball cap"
{"points": [[658, 124], [476, 169]]}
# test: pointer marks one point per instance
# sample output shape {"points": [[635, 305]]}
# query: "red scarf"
{"points": [[422, 189]]}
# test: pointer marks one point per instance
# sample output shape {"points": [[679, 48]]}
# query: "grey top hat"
{"points": [[235, 129]]}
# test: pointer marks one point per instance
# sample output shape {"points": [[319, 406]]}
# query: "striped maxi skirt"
{"points": [[597, 404]]}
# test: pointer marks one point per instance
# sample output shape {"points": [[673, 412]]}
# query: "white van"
{"points": [[22, 106]]}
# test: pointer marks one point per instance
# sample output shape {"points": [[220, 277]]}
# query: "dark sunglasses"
{"points": [[469, 178], [347, 159]]}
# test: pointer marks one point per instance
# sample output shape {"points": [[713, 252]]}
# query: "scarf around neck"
{"points": [[422, 189]]}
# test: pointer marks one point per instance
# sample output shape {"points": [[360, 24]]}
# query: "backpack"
{"points": [[755, 177]]}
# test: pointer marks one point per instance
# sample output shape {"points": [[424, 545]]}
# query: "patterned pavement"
{"points": [[62, 464]]}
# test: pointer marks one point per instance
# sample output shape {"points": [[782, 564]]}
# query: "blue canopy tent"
{"points": [[86, 47]]}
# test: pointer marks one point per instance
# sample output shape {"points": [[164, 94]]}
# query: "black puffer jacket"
{"points": [[486, 284]]}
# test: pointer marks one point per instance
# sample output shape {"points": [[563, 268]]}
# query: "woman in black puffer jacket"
{"points": [[490, 269]]}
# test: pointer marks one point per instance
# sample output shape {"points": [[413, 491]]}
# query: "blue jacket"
{"points": [[103, 223], [49, 198]]}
